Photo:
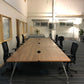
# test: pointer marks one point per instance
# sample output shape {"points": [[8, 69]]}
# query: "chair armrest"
{"points": [[64, 49], [10, 54], [14, 49], [70, 56]]}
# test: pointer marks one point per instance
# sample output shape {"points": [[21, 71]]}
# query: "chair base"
{"points": [[69, 71], [6, 71], [73, 70]]}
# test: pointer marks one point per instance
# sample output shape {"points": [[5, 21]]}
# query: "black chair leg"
{"points": [[69, 70], [7, 68], [72, 70]]}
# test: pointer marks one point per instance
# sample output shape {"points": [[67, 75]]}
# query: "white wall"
{"points": [[62, 7], [42, 9], [69, 7], [68, 31], [43, 30], [81, 26], [7, 10], [20, 5], [39, 9]]}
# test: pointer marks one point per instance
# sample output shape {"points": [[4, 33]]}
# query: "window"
{"points": [[36, 23], [44, 24], [25, 28], [62, 24], [66, 24], [40, 22], [5, 28], [69, 24], [21, 27]]}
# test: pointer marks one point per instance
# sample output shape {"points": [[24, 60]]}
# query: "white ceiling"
{"points": [[62, 7], [69, 7]]}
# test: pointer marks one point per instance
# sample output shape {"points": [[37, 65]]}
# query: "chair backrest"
{"points": [[50, 35], [18, 42], [61, 39], [56, 39], [23, 39], [5, 50], [74, 48]]}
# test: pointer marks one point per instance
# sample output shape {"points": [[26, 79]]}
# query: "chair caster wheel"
{"points": [[67, 82], [71, 75]]}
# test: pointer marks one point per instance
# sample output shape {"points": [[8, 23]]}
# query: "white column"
{"points": [[53, 20], [53, 11]]}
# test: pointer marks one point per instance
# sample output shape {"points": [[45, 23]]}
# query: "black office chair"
{"points": [[72, 56], [18, 42], [23, 39], [61, 39], [6, 51], [56, 39], [6, 55], [50, 35]]}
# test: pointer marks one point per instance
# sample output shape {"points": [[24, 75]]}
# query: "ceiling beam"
{"points": [[69, 15]]}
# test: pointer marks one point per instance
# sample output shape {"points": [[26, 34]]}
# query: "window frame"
{"points": [[1, 28], [24, 28], [18, 28]]}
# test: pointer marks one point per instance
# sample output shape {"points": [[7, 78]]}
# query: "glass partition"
{"points": [[6, 28], [25, 27], [21, 27]]}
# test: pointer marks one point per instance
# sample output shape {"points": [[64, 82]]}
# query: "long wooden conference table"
{"points": [[38, 50]]}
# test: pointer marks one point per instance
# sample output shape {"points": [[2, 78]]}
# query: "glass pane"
{"points": [[65, 30], [25, 27], [36, 23], [6, 28], [21, 27], [44, 24]]}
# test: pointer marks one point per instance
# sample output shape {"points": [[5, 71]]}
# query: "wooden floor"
{"points": [[46, 73]]}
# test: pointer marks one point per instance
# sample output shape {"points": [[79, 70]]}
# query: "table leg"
{"points": [[13, 72], [66, 73]]}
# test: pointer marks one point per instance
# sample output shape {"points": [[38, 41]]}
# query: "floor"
{"points": [[46, 73]]}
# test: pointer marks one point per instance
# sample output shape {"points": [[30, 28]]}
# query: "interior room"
{"points": [[41, 41]]}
